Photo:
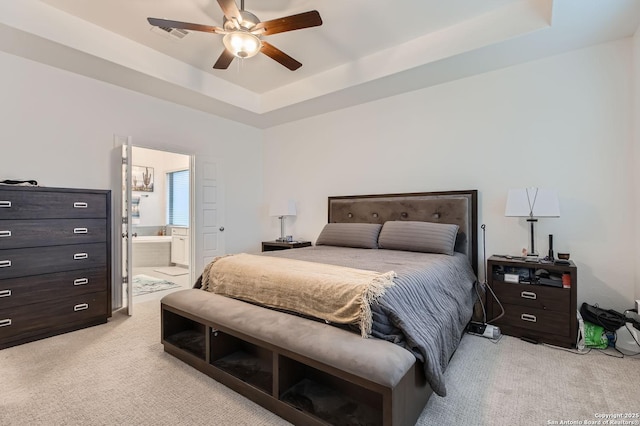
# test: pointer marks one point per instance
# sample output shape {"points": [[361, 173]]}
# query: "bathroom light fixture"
{"points": [[532, 203], [282, 209]]}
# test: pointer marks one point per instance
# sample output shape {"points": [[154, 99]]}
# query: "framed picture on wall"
{"points": [[142, 178]]}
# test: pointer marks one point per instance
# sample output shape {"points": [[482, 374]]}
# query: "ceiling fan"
{"points": [[243, 33]]}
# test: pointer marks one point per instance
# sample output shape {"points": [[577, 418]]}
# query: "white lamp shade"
{"points": [[242, 44], [283, 208], [532, 202]]}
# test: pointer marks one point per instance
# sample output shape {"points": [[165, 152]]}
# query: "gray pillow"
{"points": [[359, 235], [425, 237]]}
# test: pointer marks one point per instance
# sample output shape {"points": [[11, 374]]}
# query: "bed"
{"points": [[311, 370]]}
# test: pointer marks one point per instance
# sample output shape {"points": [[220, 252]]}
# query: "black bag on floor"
{"points": [[607, 318]]}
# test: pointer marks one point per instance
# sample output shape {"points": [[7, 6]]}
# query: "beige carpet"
{"points": [[117, 374]]}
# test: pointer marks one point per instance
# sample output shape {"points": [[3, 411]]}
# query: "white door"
{"points": [[208, 237], [122, 292]]}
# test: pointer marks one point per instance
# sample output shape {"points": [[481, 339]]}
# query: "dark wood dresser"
{"points": [[55, 261]]}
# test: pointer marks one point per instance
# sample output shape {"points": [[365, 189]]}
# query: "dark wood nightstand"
{"points": [[535, 312], [283, 245]]}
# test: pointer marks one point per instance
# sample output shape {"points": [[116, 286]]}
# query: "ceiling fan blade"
{"points": [[290, 23], [185, 25], [279, 56], [224, 60], [230, 9]]}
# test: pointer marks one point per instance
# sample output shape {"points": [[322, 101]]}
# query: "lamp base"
{"points": [[281, 240]]}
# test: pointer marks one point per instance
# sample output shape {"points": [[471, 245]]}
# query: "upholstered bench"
{"points": [[306, 371]]}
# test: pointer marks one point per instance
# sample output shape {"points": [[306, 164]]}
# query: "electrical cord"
{"points": [[486, 285], [499, 304], [571, 351], [484, 312]]}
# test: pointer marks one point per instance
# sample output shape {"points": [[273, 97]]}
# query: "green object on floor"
{"points": [[594, 336]]}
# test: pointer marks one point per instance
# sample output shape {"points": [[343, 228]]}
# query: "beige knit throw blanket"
{"points": [[335, 294]]}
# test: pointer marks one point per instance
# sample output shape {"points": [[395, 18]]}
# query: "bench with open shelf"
{"points": [[305, 384]]}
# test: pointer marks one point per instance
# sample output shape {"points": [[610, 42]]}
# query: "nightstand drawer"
{"points": [[533, 296], [539, 321]]}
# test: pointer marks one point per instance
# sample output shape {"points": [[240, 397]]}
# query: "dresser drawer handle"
{"points": [[81, 307], [80, 256], [80, 205], [5, 234], [6, 204], [528, 317], [80, 230], [5, 322], [5, 293], [5, 263], [528, 295], [81, 281]]}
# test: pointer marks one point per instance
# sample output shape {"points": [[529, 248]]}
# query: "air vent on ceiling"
{"points": [[174, 33]]}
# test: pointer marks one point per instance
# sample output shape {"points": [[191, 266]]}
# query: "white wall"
{"points": [[562, 122], [58, 129], [153, 205]]}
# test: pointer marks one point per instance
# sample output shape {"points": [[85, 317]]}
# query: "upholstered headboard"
{"points": [[456, 207]]}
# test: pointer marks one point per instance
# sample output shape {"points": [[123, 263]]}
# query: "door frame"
{"points": [[117, 269]]}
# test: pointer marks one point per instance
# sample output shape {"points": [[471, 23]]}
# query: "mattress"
{"points": [[425, 311]]}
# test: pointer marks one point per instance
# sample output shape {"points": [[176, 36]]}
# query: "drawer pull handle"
{"points": [[5, 322], [81, 281], [528, 295], [81, 307], [80, 230], [5, 293], [80, 205], [528, 317], [80, 256], [6, 204], [5, 233], [5, 263]]}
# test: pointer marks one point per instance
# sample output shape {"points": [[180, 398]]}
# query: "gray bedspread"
{"points": [[426, 310]]}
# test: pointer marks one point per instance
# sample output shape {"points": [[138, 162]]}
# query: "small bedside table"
{"points": [[535, 312], [283, 245]]}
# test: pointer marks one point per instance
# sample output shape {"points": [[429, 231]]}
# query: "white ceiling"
{"points": [[365, 49]]}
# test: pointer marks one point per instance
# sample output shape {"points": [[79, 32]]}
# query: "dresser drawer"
{"points": [[533, 296], [44, 260], [56, 313], [40, 288], [50, 232], [539, 321], [40, 204]]}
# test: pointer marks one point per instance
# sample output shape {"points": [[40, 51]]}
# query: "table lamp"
{"points": [[532, 203], [282, 209]]}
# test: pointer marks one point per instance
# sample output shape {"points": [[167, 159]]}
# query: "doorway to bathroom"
{"points": [[160, 220], [139, 183]]}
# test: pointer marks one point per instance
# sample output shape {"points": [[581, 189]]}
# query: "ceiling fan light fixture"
{"points": [[242, 44]]}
